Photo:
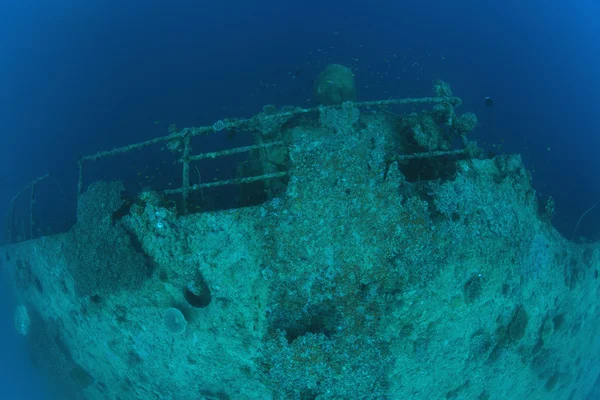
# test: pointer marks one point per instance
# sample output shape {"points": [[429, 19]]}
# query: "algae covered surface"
{"points": [[364, 274]]}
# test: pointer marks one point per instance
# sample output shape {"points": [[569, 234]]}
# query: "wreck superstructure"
{"points": [[382, 261]]}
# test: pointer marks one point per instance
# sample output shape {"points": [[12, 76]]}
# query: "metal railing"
{"points": [[265, 122], [31, 187], [255, 123]]}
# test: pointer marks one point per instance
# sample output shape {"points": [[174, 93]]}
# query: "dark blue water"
{"points": [[78, 77]]}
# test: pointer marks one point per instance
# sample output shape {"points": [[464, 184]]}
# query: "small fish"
{"points": [[156, 122]]}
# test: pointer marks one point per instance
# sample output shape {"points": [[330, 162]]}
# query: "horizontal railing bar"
{"points": [[135, 146], [235, 181], [237, 123], [430, 154], [236, 150]]}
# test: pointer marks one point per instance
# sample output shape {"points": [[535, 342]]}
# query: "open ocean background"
{"points": [[81, 76]]}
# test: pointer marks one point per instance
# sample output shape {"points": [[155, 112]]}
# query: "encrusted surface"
{"points": [[356, 284]]}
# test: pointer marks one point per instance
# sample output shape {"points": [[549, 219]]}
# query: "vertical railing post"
{"points": [[80, 164], [186, 171], [31, 208], [11, 220]]}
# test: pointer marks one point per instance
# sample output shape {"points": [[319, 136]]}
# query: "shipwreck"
{"points": [[375, 252]]}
